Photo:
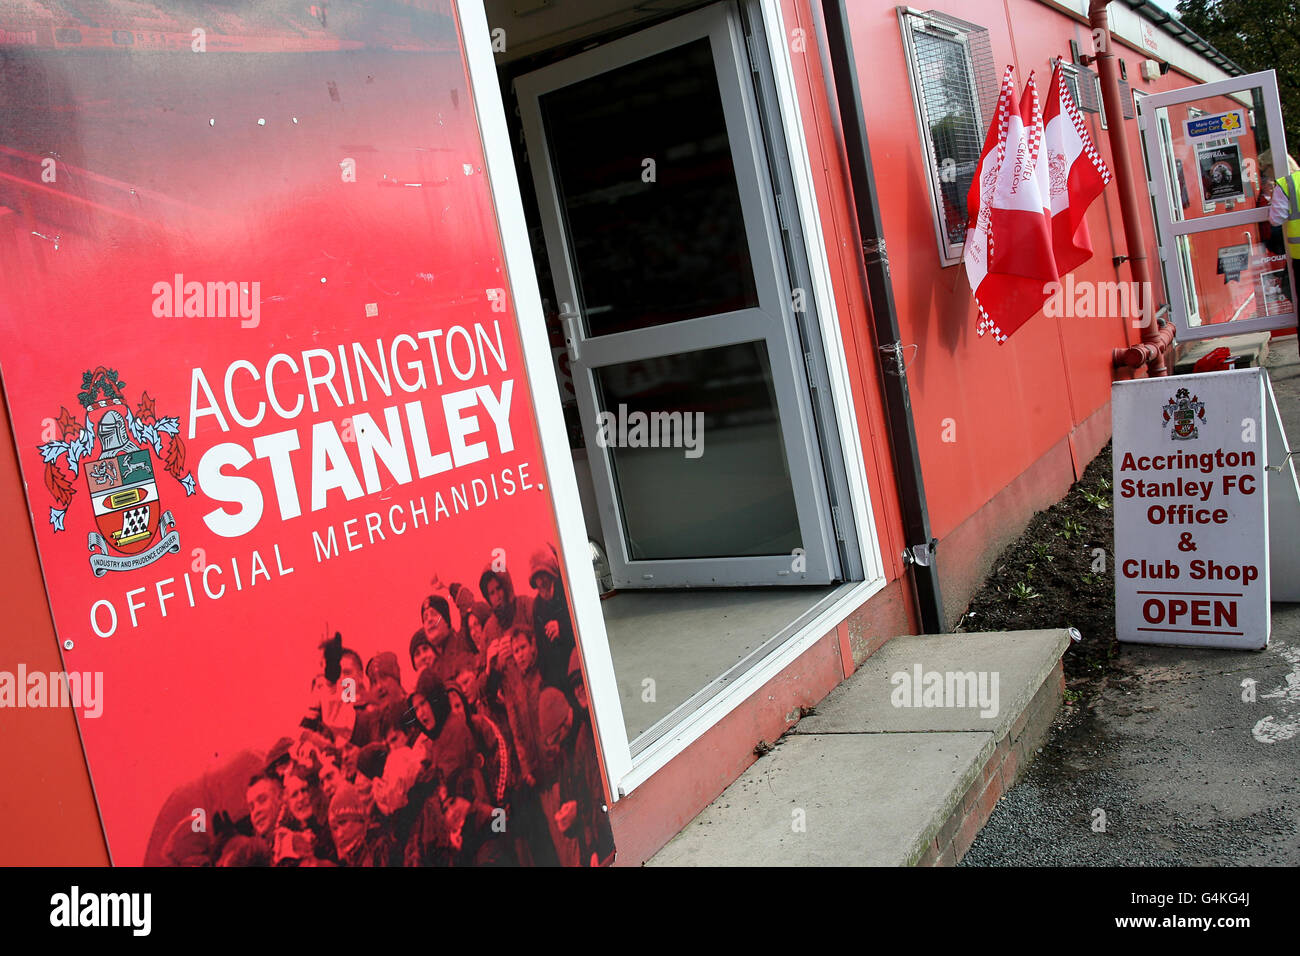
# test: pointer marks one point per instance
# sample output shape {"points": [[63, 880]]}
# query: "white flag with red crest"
{"points": [[1077, 174]]}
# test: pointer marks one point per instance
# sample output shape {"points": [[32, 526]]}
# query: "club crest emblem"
{"points": [[1182, 412], [1059, 174], [113, 452]]}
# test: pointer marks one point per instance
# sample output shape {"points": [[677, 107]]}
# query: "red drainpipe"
{"points": [[1156, 341]]}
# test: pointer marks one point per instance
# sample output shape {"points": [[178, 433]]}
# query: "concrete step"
{"points": [[869, 781]]}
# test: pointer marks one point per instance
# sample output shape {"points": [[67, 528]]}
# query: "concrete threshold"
{"points": [[873, 778]]}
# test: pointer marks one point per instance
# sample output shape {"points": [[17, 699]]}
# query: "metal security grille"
{"points": [[1089, 93], [980, 52], [956, 86], [1126, 99]]}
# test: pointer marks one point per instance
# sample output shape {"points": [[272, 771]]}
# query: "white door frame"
{"points": [[1167, 194], [622, 772]]}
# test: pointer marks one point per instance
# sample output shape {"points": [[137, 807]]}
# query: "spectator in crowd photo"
{"points": [[490, 760]]}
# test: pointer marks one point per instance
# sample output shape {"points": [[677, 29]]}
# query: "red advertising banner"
{"points": [[265, 378]]}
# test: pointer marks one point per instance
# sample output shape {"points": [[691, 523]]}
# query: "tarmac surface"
{"points": [[1165, 761]]}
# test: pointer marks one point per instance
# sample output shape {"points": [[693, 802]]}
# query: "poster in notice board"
{"points": [[1221, 175]]}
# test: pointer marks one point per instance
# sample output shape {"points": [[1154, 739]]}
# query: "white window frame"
{"points": [[624, 772], [950, 253]]}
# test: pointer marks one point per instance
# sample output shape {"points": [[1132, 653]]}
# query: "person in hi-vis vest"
{"points": [[1284, 212]]}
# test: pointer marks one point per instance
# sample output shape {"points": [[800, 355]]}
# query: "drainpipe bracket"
{"points": [[895, 350], [921, 554]]}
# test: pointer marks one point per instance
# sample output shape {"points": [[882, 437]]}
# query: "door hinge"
{"points": [[811, 368], [749, 49], [837, 524], [781, 213], [876, 248]]}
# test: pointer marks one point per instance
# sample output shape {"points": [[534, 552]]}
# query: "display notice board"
{"points": [[1207, 510], [264, 370]]}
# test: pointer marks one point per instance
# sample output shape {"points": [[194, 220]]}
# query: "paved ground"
{"points": [[1184, 770]]}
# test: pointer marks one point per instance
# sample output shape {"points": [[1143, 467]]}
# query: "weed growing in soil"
{"points": [[1023, 592], [1101, 502], [1070, 528]]}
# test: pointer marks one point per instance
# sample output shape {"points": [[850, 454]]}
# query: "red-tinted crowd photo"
{"points": [[470, 745]]}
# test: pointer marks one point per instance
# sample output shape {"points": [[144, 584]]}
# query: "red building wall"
{"points": [[1030, 412]]}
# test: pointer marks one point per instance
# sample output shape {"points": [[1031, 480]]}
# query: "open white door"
{"points": [[1210, 149]]}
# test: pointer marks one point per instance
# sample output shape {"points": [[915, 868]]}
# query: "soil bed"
{"points": [[1058, 574]]}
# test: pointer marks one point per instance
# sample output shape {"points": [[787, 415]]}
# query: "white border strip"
{"points": [[544, 392], [823, 287]]}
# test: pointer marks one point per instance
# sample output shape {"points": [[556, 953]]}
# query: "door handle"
{"points": [[569, 324]]}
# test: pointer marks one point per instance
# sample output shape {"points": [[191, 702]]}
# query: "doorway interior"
{"points": [[677, 288]]}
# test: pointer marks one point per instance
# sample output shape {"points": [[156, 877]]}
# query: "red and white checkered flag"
{"points": [[1009, 257]]}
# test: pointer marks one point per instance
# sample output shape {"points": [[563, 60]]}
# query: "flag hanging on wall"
{"points": [[1077, 174], [1009, 255]]}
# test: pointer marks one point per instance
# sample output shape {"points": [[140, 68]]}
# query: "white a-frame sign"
{"points": [[1207, 510]]}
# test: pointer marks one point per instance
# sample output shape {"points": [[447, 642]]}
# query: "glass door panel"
{"points": [[647, 144]]}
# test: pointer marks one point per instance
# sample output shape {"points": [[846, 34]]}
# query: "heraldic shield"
{"points": [[125, 497], [119, 456], [1183, 411], [122, 487]]}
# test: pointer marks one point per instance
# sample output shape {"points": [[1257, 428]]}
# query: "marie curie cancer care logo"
{"points": [[112, 455]]}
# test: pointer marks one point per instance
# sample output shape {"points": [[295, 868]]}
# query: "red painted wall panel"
{"points": [[839, 233], [47, 810], [1009, 404]]}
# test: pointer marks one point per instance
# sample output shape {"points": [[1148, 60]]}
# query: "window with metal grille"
{"points": [[1085, 86], [954, 90]]}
